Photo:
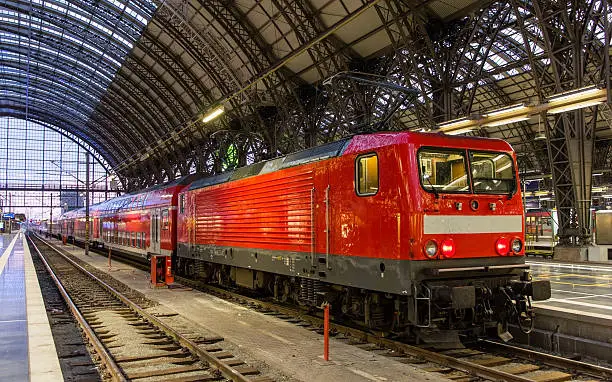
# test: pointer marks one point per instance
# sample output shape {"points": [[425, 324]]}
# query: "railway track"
{"points": [[486, 360], [129, 342]]}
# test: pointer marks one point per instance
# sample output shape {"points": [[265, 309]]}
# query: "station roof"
{"points": [[134, 77]]}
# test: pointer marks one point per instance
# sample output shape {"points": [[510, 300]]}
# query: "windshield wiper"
{"points": [[432, 187]]}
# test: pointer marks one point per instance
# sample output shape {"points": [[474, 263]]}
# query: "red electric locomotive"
{"points": [[395, 230]]}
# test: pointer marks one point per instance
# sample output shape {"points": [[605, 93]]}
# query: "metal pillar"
{"points": [[570, 135], [86, 204], [50, 231]]}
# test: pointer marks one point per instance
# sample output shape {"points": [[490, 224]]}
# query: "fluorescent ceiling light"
{"points": [[459, 122], [575, 106], [505, 110], [213, 114], [506, 121], [597, 173], [460, 131], [576, 94]]}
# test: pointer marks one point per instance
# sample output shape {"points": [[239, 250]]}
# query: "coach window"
{"points": [[367, 175], [165, 220], [137, 239]]}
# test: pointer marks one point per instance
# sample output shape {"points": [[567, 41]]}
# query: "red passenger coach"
{"points": [[394, 229], [141, 224]]}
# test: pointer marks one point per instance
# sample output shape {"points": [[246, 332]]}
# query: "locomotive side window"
{"points": [[443, 170], [367, 175], [492, 173], [165, 221]]}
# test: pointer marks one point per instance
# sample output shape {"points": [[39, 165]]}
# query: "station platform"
{"points": [[286, 351], [583, 288], [27, 349], [577, 318]]}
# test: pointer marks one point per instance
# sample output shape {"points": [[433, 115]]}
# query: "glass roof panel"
{"points": [[66, 53]]}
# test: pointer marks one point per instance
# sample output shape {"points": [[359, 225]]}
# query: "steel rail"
{"points": [[105, 357], [213, 361], [472, 368], [455, 363], [475, 369], [554, 360]]}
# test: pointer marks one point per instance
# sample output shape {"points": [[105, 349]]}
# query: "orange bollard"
{"points": [[169, 277], [326, 332]]}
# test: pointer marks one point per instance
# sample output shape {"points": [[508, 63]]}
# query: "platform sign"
{"points": [[8, 215]]}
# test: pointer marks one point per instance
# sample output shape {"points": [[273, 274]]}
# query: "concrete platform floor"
{"points": [[584, 288], [293, 351], [27, 349]]}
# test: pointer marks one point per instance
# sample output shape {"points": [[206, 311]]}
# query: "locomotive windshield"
{"points": [[492, 173], [445, 170]]}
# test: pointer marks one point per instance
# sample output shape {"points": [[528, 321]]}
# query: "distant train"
{"points": [[396, 230], [541, 224]]}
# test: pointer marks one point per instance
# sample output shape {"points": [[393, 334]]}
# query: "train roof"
{"points": [[148, 197], [349, 145], [356, 143], [313, 154]]}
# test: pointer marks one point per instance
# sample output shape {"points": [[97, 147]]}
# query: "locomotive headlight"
{"points": [[517, 245], [431, 248]]}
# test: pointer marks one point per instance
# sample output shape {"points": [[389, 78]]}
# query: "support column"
{"points": [[87, 204]]}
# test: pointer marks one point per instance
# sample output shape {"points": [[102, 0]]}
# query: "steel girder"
{"points": [[165, 82], [54, 37], [67, 75], [566, 31]]}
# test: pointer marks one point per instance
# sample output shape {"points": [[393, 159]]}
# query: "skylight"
{"points": [[66, 53]]}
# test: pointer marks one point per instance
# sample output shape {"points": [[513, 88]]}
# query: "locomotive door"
{"points": [[321, 216], [155, 230]]}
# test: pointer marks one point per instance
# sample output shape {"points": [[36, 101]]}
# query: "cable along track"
{"points": [[132, 344]]}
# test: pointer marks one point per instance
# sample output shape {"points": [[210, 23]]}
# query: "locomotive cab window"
{"points": [[443, 170], [367, 175], [492, 172]]}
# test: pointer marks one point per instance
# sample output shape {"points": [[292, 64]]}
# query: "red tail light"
{"points": [[447, 248], [502, 246]]}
